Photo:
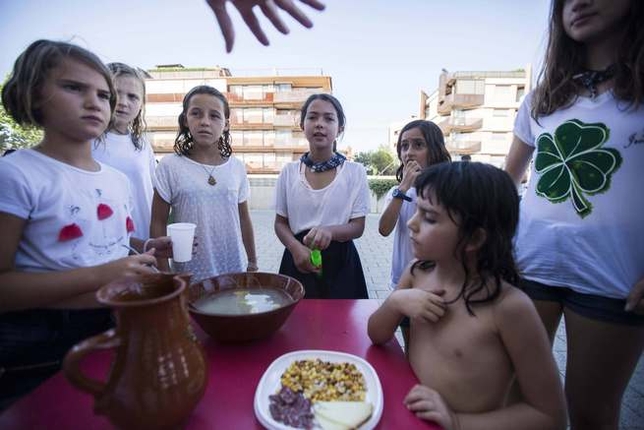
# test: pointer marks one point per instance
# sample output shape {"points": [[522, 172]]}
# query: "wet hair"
{"points": [[433, 136], [21, 92], [476, 196], [138, 125], [184, 141], [565, 57], [342, 119]]}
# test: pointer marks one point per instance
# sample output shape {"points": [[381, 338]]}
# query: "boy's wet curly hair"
{"points": [[477, 197]]}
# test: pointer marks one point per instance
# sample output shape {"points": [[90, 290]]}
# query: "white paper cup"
{"points": [[182, 235]]}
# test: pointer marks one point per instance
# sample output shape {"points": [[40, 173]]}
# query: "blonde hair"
{"points": [[138, 126]]}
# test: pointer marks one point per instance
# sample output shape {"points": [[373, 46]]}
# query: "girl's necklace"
{"points": [[589, 79], [211, 179]]}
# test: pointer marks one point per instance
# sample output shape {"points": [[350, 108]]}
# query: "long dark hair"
{"points": [[433, 135], [342, 119], [476, 196], [184, 141], [138, 125], [565, 57]]}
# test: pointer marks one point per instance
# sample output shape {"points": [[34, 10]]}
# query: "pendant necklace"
{"points": [[211, 179], [589, 79]]}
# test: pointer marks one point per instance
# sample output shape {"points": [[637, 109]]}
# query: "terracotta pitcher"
{"points": [[158, 374]]}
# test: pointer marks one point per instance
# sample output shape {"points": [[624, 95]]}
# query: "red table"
{"points": [[235, 370]]}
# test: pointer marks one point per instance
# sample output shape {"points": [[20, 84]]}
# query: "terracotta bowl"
{"points": [[249, 326]]}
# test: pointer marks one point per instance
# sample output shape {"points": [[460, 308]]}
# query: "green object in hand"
{"points": [[316, 259]]}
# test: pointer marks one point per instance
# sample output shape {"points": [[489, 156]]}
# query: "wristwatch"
{"points": [[397, 194]]}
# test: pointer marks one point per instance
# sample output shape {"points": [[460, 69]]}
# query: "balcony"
{"points": [[460, 124], [463, 146], [159, 123], [291, 121], [249, 99], [460, 101], [295, 97]]}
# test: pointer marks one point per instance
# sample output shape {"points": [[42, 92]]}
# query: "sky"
{"points": [[379, 53]]}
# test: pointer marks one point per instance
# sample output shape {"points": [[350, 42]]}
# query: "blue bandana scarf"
{"points": [[323, 166]]}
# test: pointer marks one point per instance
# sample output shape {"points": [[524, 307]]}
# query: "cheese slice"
{"points": [[342, 415]]}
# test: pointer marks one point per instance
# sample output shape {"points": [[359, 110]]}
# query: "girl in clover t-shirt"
{"points": [[580, 242]]}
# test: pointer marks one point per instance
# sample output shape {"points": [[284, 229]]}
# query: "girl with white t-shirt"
{"points": [[420, 144], [321, 204], [65, 219], [580, 241], [203, 184], [124, 146]]}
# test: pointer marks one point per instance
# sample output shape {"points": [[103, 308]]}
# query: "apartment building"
{"points": [[476, 111], [264, 117]]}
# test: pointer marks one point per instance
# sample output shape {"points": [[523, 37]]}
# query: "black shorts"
{"points": [[588, 305]]}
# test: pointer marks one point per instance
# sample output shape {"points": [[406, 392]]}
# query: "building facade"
{"points": [[476, 111], [264, 110]]}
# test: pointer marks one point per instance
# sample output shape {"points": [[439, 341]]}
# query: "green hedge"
{"points": [[381, 186]]}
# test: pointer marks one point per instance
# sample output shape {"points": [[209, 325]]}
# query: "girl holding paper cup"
{"points": [[202, 184]]}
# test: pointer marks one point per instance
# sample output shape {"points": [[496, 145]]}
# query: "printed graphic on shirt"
{"points": [[101, 223], [572, 164]]}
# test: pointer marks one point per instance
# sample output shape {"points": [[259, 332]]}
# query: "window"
{"points": [[520, 92], [500, 113]]}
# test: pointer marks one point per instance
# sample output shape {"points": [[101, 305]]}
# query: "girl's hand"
{"points": [[302, 260], [635, 300], [252, 266], [318, 238], [417, 303], [427, 404], [161, 245], [411, 170], [132, 265]]}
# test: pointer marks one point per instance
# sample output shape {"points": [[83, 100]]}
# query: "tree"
{"points": [[379, 162], [14, 136]]}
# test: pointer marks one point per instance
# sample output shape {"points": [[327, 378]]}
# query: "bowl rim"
{"points": [[193, 310]]}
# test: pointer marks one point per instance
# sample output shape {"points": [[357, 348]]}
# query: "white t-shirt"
{"points": [[582, 221], [345, 198], [183, 183], [402, 252], [119, 152], [75, 218]]}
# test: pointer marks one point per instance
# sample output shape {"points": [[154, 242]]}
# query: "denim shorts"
{"points": [[588, 305]]}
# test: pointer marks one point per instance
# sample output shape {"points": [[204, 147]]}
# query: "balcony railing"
{"points": [[463, 146], [460, 124], [162, 122], [463, 101], [295, 96]]}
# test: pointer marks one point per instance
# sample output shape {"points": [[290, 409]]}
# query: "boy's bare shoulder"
{"points": [[513, 303]]}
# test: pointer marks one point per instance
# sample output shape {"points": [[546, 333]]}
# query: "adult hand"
{"points": [[427, 404], [635, 300], [269, 9]]}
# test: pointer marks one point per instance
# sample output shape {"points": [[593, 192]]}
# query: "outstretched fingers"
{"points": [[224, 21]]}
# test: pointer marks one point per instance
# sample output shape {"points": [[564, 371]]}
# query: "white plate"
{"points": [[270, 384]]}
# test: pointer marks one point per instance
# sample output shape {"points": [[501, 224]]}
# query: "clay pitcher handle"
{"points": [[106, 340]]}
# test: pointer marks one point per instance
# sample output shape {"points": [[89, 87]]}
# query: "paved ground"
{"points": [[375, 252]]}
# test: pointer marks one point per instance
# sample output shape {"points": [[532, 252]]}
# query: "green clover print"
{"points": [[573, 164]]}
